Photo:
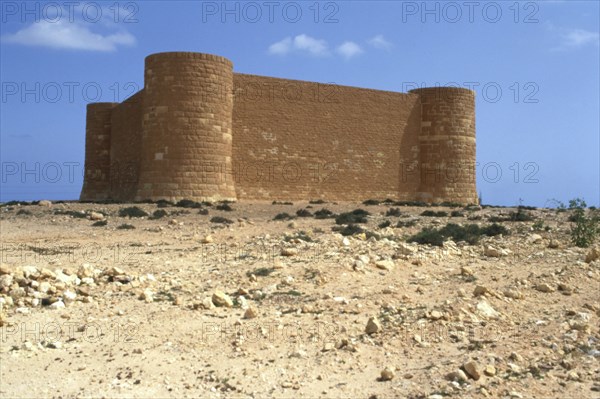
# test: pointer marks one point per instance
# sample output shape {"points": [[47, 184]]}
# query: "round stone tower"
{"points": [[447, 145], [187, 120], [96, 182]]}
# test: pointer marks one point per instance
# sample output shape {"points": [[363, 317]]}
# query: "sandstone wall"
{"points": [[304, 140], [126, 143], [198, 131], [96, 182], [447, 145], [186, 127]]}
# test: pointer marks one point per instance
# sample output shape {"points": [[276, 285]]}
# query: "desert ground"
{"points": [[268, 301]]}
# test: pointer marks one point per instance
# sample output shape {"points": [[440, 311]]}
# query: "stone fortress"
{"points": [[199, 131]]}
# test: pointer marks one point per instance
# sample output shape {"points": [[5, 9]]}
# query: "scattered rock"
{"points": [[535, 238], [250, 313], [387, 374], [480, 290], [207, 240], [4, 269], [436, 315], [592, 255], [45, 203], [457, 375], [289, 252], [406, 249], [486, 310], [489, 370], [494, 252], [513, 293], [385, 264], [221, 299], [373, 326], [472, 369], [544, 288], [57, 305], [147, 296], [96, 216]]}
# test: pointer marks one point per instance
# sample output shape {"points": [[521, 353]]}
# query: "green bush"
{"points": [[586, 227], [158, 214], [470, 233], [224, 207], [351, 230], [125, 226], [185, 203], [324, 214], [303, 213], [406, 223], [282, 203], [356, 216], [222, 220], [132, 212], [393, 212], [431, 213], [283, 216], [384, 224]]}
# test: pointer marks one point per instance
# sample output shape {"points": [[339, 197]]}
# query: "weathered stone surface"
{"points": [[209, 138]]}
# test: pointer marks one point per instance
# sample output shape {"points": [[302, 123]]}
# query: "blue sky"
{"points": [[534, 67]]}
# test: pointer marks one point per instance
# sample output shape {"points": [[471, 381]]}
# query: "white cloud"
{"points": [[300, 43], [380, 42], [575, 38], [310, 44], [281, 47], [68, 35], [349, 50]]}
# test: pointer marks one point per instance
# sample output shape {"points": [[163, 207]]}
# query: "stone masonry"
{"points": [[199, 131]]}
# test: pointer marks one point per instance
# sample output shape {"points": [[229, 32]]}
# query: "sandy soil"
{"points": [[100, 311]]}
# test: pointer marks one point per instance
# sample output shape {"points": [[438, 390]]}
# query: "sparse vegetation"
{"points": [[221, 220], [393, 212], [125, 226], [324, 214], [319, 201], [283, 216], [384, 224], [351, 230], [132, 212], [100, 223], [75, 214], [431, 213], [586, 226], [410, 203], [457, 214], [185, 203], [163, 203], [406, 223], [261, 272], [158, 214], [224, 207], [470, 233], [303, 213], [371, 202], [356, 216], [282, 203]]}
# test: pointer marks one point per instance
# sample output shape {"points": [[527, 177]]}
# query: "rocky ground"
{"points": [[221, 300]]}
